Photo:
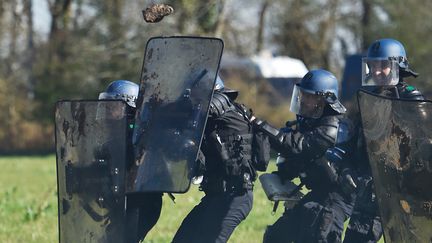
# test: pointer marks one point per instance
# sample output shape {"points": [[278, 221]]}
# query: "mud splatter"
{"points": [[404, 145]]}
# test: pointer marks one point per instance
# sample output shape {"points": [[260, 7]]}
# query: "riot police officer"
{"points": [[316, 147], [232, 153], [385, 67], [384, 70], [142, 209]]}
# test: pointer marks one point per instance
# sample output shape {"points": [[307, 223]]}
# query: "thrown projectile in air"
{"points": [[156, 12]]}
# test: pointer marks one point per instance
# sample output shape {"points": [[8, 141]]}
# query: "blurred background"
{"points": [[71, 49]]}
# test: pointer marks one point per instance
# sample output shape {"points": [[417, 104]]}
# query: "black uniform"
{"points": [[365, 222], [319, 151], [233, 152]]}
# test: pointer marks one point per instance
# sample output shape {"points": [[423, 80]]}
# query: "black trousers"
{"points": [[365, 223], [215, 218], [142, 213], [318, 217]]}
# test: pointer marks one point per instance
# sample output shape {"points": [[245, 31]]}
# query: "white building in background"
{"points": [[281, 71]]}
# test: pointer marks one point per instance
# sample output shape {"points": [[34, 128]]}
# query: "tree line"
{"points": [[92, 42]]}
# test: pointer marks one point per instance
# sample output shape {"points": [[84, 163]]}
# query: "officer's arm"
{"points": [[275, 135], [292, 143]]}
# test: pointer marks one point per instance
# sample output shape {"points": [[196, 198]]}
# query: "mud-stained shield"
{"points": [[398, 137], [177, 82], [91, 155]]}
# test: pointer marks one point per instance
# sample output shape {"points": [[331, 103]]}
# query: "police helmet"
{"points": [[220, 86], [388, 48], [385, 62], [316, 89], [123, 90]]}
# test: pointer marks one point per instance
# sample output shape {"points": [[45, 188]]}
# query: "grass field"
{"points": [[28, 206]]}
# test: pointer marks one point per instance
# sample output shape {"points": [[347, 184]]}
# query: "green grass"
{"points": [[28, 199], [28, 206]]}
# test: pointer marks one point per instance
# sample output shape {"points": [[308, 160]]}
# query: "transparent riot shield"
{"points": [[398, 137], [177, 82], [91, 155]]}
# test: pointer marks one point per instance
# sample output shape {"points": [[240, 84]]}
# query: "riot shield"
{"points": [[91, 155], [398, 137], [177, 82]]}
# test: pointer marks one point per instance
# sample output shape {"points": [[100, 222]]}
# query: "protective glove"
{"points": [[347, 181], [364, 186]]}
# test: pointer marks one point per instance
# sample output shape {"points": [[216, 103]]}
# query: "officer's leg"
{"points": [[286, 228], [142, 212], [315, 223], [215, 218], [291, 226], [149, 213], [363, 228], [365, 224], [132, 214], [341, 208], [239, 208], [322, 220], [193, 225]]}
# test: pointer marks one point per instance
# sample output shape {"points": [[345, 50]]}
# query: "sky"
{"points": [[41, 17]]}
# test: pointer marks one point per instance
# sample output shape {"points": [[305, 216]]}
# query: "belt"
{"points": [[226, 186]]}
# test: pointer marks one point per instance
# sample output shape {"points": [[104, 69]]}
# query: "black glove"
{"points": [[347, 181], [364, 186]]}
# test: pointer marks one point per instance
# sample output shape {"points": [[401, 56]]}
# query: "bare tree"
{"points": [[14, 34], [307, 31], [365, 20], [220, 23], [60, 17], [28, 63], [261, 23]]}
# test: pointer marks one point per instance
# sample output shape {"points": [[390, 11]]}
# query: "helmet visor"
{"points": [[107, 96], [379, 71], [130, 100], [306, 103]]}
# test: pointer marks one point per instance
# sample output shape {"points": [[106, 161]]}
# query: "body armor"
{"points": [[318, 151], [228, 146]]}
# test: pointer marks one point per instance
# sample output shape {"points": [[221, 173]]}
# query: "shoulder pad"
{"points": [[220, 104], [407, 91], [346, 131], [332, 121], [328, 128]]}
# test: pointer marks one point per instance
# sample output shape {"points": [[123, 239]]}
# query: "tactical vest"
{"points": [[228, 144]]}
